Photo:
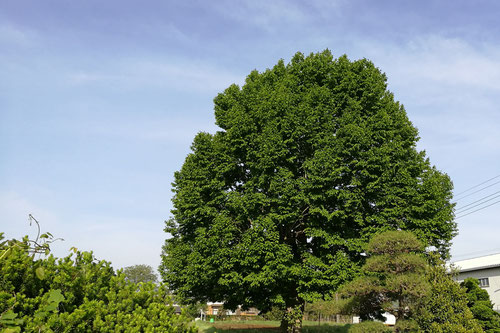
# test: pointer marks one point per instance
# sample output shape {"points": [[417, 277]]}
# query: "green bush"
{"points": [[275, 313], [445, 309], [481, 307], [77, 294], [369, 326], [407, 326]]}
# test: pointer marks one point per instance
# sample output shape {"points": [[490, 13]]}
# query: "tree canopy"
{"points": [[140, 273], [312, 158]]}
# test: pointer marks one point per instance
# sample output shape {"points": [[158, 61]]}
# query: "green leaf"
{"points": [[5, 253], [40, 273], [50, 307], [55, 296], [11, 330], [9, 315], [41, 314]]}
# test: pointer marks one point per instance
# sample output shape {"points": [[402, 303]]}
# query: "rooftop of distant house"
{"points": [[483, 262]]}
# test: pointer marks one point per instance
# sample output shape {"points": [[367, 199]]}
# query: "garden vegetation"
{"points": [[77, 293]]}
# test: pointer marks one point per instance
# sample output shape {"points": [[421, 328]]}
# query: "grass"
{"points": [[266, 326]]}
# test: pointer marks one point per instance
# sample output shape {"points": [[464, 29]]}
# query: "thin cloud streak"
{"points": [[451, 62], [11, 35], [185, 76]]}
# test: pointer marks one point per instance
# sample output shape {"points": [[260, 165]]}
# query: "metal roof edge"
{"points": [[476, 268]]}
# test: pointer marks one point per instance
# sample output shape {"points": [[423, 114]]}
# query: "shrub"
{"points": [[77, 294], [480, 305], [369, 326]]}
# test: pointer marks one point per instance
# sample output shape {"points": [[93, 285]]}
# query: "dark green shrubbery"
{"points": [[369, 326], [77, 294], [481, 307]]}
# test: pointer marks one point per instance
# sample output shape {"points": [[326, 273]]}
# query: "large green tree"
{"points": [[312, 158]]}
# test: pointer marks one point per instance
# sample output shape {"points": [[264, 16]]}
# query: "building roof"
{"points": [[473, 264]]}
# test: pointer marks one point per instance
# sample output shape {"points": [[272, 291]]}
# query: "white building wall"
{"points": [[493, 275]]}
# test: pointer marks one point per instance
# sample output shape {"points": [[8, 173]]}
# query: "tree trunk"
{"points": [[337, 316], [284, 325], [291, 321]]}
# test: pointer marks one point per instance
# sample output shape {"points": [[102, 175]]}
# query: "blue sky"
{"points": [[99, 101]]}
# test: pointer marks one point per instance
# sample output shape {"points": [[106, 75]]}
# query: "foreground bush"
{"points": [[77, 294]]}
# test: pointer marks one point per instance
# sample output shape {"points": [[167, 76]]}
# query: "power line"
{"points": [[461, 209], [458, 217], [483, 252], [481, 189], [473, 187]]}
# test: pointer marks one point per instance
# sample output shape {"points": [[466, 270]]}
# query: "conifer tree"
{"points": [[393, 278]]}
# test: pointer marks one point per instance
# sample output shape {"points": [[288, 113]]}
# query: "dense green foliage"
{"points": [[311, 159], [481, 307], [397, 278], [445, 309], [369, 326], [392, 279], [77, 294], [140, 273]]}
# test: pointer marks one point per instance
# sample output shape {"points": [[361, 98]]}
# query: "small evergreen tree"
{"points": [[392, 279], [445, 309], [421, 295], [481, 307]]}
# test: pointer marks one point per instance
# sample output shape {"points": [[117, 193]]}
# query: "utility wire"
{"points": [[473, 187], [461, 209], [481, 189], [483, 252], [458, 217]]}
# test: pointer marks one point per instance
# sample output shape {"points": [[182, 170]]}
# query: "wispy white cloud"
{"points": [[450, 87], [326, 8], [11, 35], [452, 84], [175, 131], [261, 14], [177, 75], [439, 60]]}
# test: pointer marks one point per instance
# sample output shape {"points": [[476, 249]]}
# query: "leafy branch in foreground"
{"points": [[77, 294], [40, 245]]}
